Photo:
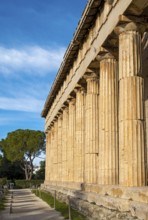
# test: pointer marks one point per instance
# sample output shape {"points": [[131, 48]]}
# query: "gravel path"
{"points": [[26, 206]]}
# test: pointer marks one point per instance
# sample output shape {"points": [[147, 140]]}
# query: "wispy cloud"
{"points": [[13, 117], [25, 88], [6, 120], [20, 104], [34, 60]]}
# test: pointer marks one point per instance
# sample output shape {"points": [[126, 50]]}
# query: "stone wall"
{"points": [[112, 203]]}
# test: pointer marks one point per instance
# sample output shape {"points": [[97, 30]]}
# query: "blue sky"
{"points": [[34, 35]]}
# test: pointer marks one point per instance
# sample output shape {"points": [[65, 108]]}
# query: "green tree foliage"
{"points": [[24, 146], [10, 170]]}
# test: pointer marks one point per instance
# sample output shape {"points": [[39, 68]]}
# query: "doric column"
{"points": [[47, 158], [131, 118], [92, 128], [55, 150], [108, 115], [64, 144], [144, 73], [71, 139], [59, 148], [52, 155], [48, 154], [146, 129], [80, 135]]}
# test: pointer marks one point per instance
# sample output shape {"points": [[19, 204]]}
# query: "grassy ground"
{"points": [[60, 206], [2, 203]]}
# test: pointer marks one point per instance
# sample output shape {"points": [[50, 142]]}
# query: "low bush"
{"points": [[3, 200], [3, 181], [2, 204], [22, 184], [60, 206]]}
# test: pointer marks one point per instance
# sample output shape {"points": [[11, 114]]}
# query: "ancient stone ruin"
{"points": [[96, 114]]}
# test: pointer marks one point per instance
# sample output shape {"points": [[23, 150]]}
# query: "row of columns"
{"points": [[98, 137]]}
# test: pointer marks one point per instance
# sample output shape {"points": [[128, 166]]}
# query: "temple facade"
{"points": [[96, 113]]}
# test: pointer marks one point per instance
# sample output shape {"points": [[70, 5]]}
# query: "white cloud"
{"points": [[21, 104], [11, 118], [35, 60]]}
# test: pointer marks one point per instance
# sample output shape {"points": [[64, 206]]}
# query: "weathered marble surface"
{"points": [[96, 115]]}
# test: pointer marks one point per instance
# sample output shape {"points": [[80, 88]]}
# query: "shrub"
{"points": [[2, 203], [3, 181], [22, 184], [3, 200]]}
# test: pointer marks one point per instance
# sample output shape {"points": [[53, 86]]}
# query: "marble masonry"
{"points": [[96, 113]]}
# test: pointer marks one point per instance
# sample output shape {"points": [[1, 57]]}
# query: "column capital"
{"points": [[71, 100], [79, 88], [131, 26], [104, 56], [131, 23], [52, 128], [46, 133], [91, 75], [64, 106], [60, 112], [48, 129], [55, 119], [60, 115], [51, 125]]}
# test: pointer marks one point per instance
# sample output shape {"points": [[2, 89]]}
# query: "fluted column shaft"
{"points": [[131, 118], [59, 148], [52, 155], [71, 139], [92, 129], [108, 129], [55, 155], [144, 72], [80, 136], [47, 166], [146, 130], [64, 144], [47, 156]]}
